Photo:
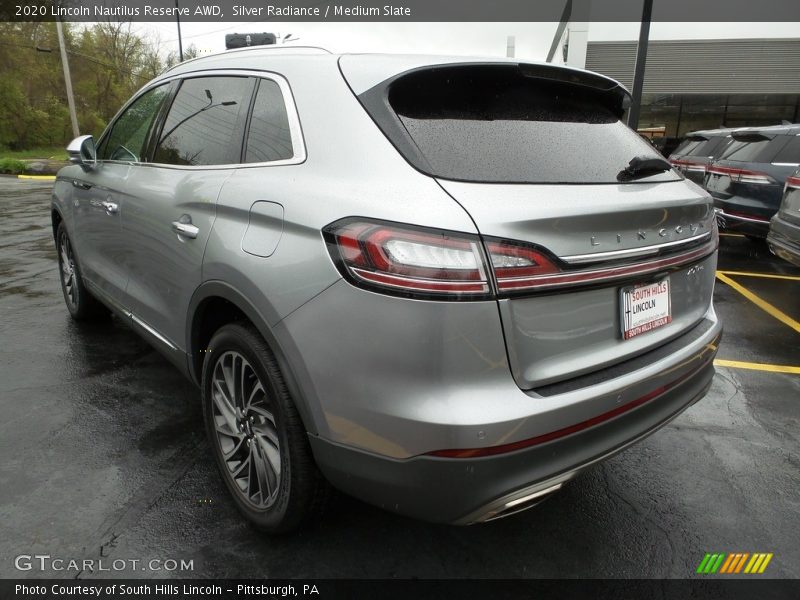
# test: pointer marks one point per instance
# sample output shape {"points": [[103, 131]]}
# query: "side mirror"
{"points": [[82, 152]]}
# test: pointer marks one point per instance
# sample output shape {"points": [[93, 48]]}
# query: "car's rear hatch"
{"points": [[537, 156], [747, 181]]}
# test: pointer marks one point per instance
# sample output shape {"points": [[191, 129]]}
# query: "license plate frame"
{"points": [[645, 307]]}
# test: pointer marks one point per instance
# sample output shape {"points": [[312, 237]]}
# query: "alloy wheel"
{"points": [[67, 261], [246, 429]]}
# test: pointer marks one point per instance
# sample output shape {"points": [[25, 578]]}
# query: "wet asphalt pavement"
{"points": [[103, 455]]}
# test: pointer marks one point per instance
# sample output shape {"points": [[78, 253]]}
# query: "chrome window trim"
{"points": [[295, 127], [575, 259]]}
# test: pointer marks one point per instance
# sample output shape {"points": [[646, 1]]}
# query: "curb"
{"points": [[39, 177]]}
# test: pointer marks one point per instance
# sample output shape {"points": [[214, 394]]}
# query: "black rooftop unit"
{"points": [[243, 40]]}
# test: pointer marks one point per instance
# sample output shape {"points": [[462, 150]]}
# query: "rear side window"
{"points": [[128, 136], [497, 124], [687, 146], [708, 147], [269, 137], [205, 124], [790, 153]]}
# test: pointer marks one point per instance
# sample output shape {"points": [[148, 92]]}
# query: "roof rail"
{"points": [[270, 48]]}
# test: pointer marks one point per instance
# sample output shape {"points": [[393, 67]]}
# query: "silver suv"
{"points": [[442, 286]]}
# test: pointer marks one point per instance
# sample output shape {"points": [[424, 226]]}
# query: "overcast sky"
{"points": [[532, 39]]}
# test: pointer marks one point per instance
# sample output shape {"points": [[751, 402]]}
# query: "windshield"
{"points": [[495, 124]]}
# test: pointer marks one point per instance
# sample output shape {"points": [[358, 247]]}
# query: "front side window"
{"points": [[205, 123], [128, 136], [268, 137]]}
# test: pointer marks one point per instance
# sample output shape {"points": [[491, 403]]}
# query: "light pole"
{"points": [[641, 61], [68, 79], [180, 41]]}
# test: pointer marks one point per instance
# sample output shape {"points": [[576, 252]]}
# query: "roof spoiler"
{"points": [[751, 136]]}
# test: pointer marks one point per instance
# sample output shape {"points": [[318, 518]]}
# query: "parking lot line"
{"points": [[762, 304], [738, 364], [42, 177], [766, 275], [731, 234]]}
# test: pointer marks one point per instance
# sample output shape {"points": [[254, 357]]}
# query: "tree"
{"points": [[109, 62]]}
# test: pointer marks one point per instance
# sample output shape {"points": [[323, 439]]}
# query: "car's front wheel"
{"points": [[81, 304], [256, 433]]}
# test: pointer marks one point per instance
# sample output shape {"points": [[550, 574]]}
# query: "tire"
{"points": [[258, 440], [82, 306]]}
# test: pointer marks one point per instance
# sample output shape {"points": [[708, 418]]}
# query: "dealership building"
{"points": [[705, 84]]}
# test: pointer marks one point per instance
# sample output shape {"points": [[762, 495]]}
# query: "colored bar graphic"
{"points": [[733, 563], [704, 563], [754, 563], [727, 564], [765, 563]]}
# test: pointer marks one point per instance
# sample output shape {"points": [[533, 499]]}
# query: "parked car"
{"points": [[784, 229], [747, 181], [443, 287], [698, 150]]}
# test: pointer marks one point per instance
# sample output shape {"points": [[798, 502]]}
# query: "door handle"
{"points": [[81, 184], [186, 230], [111, 207]]}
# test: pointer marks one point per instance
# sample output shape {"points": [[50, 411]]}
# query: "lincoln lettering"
{"points": [[646, 305]]}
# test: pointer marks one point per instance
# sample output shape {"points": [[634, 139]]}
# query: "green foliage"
{"points": [[12, 165], [51, 152], [108, 62]]}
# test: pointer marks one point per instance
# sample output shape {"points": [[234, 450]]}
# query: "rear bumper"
{"points": [[470, 490], [784, 240]]}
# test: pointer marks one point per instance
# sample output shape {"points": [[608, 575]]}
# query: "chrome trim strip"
{"points": [[150, 330], [575, 259], [722, 213], [535, 283]]}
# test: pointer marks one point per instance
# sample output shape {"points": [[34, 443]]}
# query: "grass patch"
{"points": [[12, 165], [54, 153]]}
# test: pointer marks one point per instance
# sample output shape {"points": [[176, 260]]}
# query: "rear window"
{"points": [[498, 124], [757, 150]]}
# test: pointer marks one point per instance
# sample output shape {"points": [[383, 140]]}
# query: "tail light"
{"points": [[431, 263], [793, 182], [408, 260], [741, 175], [688, 165]]}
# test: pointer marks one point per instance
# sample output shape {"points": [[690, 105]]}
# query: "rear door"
{"points": [[537, 157], [171, 200]]}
